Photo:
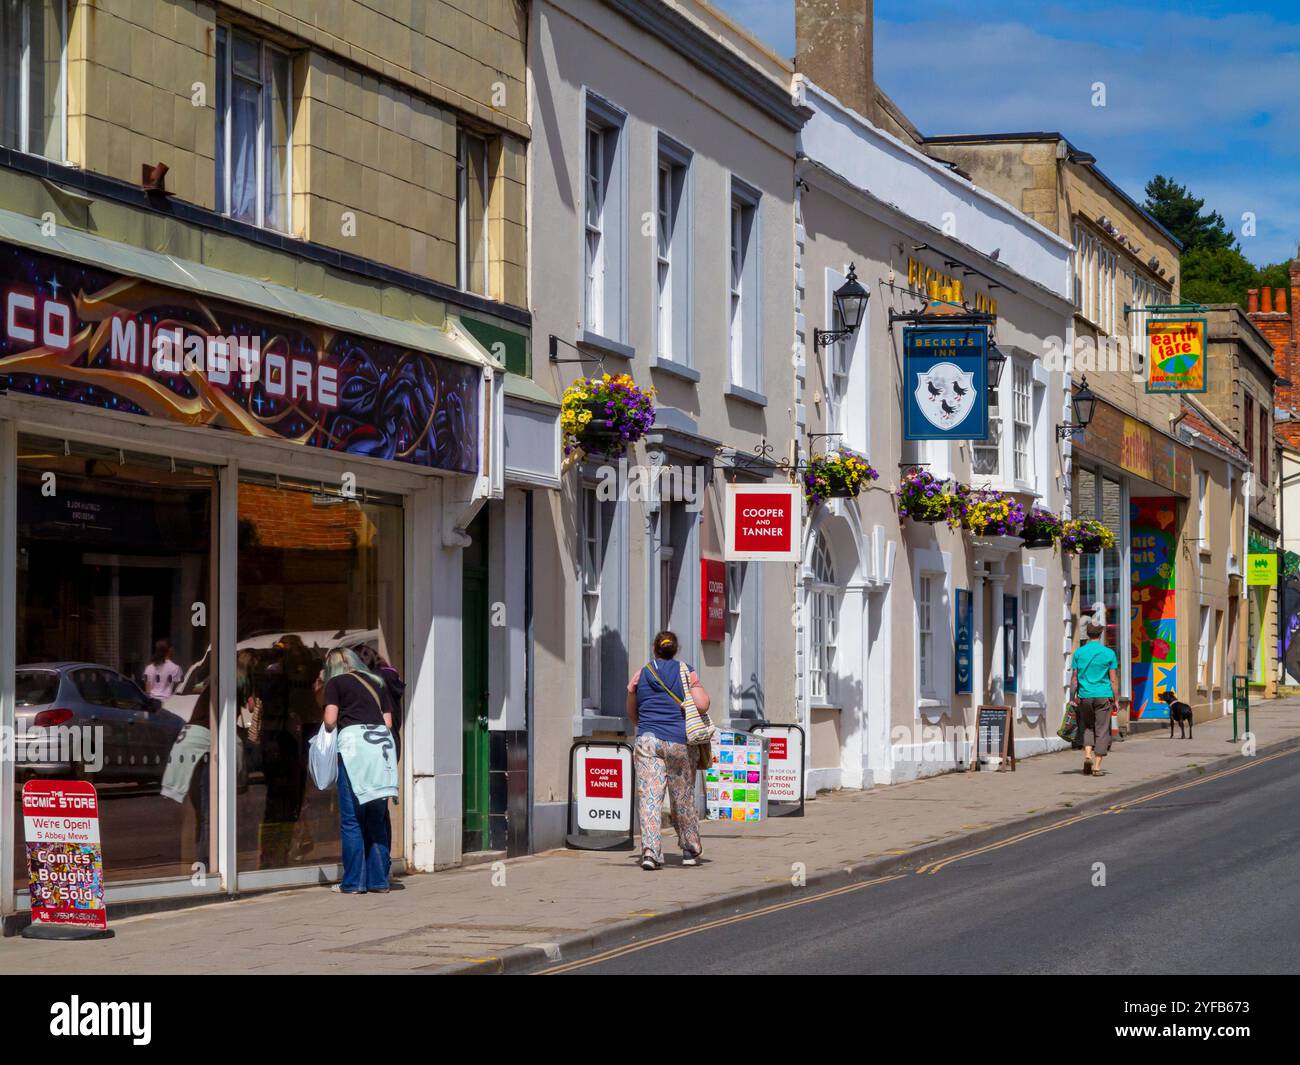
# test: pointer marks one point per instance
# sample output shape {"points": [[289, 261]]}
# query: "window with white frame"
{"points": [[603, 215], [1096, 270], [591, 563], [1022, 418], [743, 288], [672, 253], [744, 639], [838, 358], [33, 77], [1216, 651], [1032, 683], [253, 130], [1017, 403], [473, 197], [823, 601], [986, 454], [925, 650], [1203, 508], [1203, 650]]}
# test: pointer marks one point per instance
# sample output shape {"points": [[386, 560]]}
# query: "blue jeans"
{"points": [[366, 838]]}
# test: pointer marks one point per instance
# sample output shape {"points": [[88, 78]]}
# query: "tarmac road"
{"points": [[1200, 878]]}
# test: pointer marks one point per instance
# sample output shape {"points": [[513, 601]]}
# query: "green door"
{"points": [[474, 678]]}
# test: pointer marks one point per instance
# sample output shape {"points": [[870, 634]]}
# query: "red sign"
{"points": [[776, 748], [763, 522], [64, 861], [605, 778], [713, 599]]}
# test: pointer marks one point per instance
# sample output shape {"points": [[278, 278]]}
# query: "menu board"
{"points": [[734, 786]]}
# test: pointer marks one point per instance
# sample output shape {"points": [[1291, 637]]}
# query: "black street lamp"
{"points": [[850, 305], [1084, 403], [995, 363]]}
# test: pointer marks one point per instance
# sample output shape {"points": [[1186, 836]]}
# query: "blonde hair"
{"points": [[342, 660]]}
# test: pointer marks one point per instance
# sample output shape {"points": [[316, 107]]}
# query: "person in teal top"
{"points": [[1095, 680]]}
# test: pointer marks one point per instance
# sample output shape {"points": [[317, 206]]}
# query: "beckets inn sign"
{"points": [[78, 334]]}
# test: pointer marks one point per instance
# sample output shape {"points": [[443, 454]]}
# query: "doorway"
{"points": [[474, 650]]}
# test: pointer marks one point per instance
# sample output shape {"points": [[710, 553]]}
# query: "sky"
{"points": [[1204, 91]]}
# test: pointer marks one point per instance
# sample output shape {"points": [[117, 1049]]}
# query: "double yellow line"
{"points": [[928, 869]]}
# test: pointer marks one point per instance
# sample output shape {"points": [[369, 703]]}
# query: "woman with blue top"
{"points": [[656, 699], [357, 703]]}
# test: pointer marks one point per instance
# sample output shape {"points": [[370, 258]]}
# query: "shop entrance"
{"points": [[113, 603], [474, 649]]}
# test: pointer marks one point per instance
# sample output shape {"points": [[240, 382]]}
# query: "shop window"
{"points": [[744, 288], [1032, 674], [672, 253], [604, 216], [678, 608], [1203, 646], [1216, 651], [823, 621], [33, 65], [744, 639], [253, 130], [474, 197], [1203, 508], [113, 612], [317, 570]]}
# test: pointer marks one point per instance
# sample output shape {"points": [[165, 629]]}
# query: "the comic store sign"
{"points": [[763, 522], [82, 335], [65, 863]]}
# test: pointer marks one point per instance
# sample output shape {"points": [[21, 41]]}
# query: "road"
{"points": [[1200, 879]]}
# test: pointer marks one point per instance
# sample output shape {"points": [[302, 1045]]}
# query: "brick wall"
{"points": [[1273, 313]]}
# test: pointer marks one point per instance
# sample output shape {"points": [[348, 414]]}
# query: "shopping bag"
{"points": [[1069, 729], [323, 758]]}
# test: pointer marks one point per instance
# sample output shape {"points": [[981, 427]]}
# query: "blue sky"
{"points": [[1207, 92]]}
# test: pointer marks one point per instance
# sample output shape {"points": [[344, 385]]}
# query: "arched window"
{"points": [[823, 597]]}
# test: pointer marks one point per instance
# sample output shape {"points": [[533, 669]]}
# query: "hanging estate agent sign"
{"points": [[65, 862], [83, 335], [1176, 355], [763, 522], [713, 599], [1261, 569], [945, 383]]}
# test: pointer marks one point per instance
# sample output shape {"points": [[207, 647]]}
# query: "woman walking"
{"points": [[1095, 682], [358, 705], [656, 700]]}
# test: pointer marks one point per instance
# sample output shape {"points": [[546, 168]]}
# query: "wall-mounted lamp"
{"points": [[994, 365], [850, 305], [1084, 403]]}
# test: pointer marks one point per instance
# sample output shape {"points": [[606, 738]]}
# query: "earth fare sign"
{"points": [[763, 522], [945, 383], [1176, 355]]}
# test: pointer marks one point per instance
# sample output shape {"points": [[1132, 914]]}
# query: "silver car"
{"points": [[74, 716]]}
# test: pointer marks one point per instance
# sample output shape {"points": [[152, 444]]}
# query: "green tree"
{"points": [[1216, 275], [1170, 204]]}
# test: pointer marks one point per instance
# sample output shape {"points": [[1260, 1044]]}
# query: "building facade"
{"points": [[265, 355], [890, 683], [662, 197]]}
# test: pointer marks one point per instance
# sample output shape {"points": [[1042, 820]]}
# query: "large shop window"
{"points": [[317, 570], [1103, 578], [114, 611], [33, 42]]}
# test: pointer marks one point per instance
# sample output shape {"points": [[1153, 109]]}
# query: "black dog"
{"points": [[1180, 713]]}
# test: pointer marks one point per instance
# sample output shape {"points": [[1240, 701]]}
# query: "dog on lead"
{"points": [[1179, 713]]}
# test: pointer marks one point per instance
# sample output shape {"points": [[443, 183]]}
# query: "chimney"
{"points": [[833, 47], [1267, 307], [1279, 301], [1252, 301]]}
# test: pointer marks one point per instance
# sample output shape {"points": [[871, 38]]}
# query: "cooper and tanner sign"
{"points": [[762, 522], [945, 393], [82, 335], [713, 599], [65, 864], [1176, 354]]}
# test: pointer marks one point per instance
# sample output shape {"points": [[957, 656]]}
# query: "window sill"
{"points": [[931, 704], [746, 396], [816, 704], [676, 369], [590, 341]]}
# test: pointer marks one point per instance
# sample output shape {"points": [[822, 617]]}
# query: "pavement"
{"points": [[560, 905], [1198, 879]]}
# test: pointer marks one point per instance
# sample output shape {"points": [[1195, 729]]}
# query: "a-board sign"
{"points": [[602, 794], [65, 862], [733, 785], [785, 746], [995, 737]]}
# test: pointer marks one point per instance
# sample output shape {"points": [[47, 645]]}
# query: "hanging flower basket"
{"points": [[1082, 536], [924, 498], [838, 474], [990, 513], [1042, 528], [603, 415]]}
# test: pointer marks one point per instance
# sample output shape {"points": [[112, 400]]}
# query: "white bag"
{"points": [[323, 758]]}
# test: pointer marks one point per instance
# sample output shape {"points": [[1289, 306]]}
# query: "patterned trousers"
{"points": [[659, 765]]}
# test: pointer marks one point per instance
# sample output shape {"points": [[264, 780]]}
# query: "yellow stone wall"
{"points": [[379, 90]]}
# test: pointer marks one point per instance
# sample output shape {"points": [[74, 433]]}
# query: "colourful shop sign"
{"points": [[1176, 359]]}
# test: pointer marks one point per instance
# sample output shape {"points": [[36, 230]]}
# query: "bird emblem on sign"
{"points": [[945, 394]]}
